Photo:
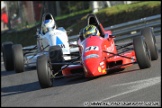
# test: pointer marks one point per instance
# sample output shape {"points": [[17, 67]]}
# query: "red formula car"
{"points": [[99, 54]]}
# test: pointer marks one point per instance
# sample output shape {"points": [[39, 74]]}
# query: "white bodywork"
{"points": [[47, 37], [56, 37], [51, 38]]}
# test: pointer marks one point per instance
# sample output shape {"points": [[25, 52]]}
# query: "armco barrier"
{"points": [[130, 29]]}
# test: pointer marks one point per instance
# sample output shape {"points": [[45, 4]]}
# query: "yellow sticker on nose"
{"points": [[104, 71], [99, 69]]}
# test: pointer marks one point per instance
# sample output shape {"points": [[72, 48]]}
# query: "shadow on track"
{"points": [[29, 87], [4, 73], [11, 90]]}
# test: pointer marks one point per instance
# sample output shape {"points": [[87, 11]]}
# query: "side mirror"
{"points": [[36, 36], [69, 30], [112, 36], [38, 29], [37, 33]]}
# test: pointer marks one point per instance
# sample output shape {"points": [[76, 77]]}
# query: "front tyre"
{"points": [[151, 42], [44, 72], [142, 52]]}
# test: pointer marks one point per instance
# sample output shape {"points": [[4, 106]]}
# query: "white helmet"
{"points": [[49, 23]]}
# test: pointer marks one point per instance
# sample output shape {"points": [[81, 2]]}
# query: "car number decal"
{"points": [[62, 45], [92, 48]]}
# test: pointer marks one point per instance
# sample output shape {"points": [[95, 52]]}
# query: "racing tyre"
{"points": [[56, 56], [18, 58], [44, 72], [142, 52], [151, 42], [4, 43], [7, 56]]}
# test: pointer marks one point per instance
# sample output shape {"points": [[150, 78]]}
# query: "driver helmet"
{"points": [[48, 24], [90, 30]]}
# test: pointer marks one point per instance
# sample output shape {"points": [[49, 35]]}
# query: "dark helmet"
{"points": [[90, 30]]}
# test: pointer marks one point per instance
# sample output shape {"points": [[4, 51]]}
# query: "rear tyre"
{"points": [[44, 72], [151, 42], [142, 52], [56, 56], [18, 58], [9, 42], [7, 56]]}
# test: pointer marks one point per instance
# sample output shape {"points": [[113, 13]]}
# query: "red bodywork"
{"points": [[99, 54], [95, 60]]}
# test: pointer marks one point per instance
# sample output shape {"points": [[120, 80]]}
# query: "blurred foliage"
{"points": [[73, 6], [108, 16], [73, 14], [120, 14]]}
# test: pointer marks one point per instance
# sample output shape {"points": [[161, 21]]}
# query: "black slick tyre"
{"points": [[44, 72], [142, 52], [18, 58]]}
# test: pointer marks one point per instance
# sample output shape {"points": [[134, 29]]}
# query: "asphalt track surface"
{"points": [[131, 87]]}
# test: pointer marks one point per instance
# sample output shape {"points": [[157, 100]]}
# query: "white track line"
{"points": [[135, 86]]}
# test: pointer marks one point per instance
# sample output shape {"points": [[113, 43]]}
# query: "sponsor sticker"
{"points": [[92, 56]]}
